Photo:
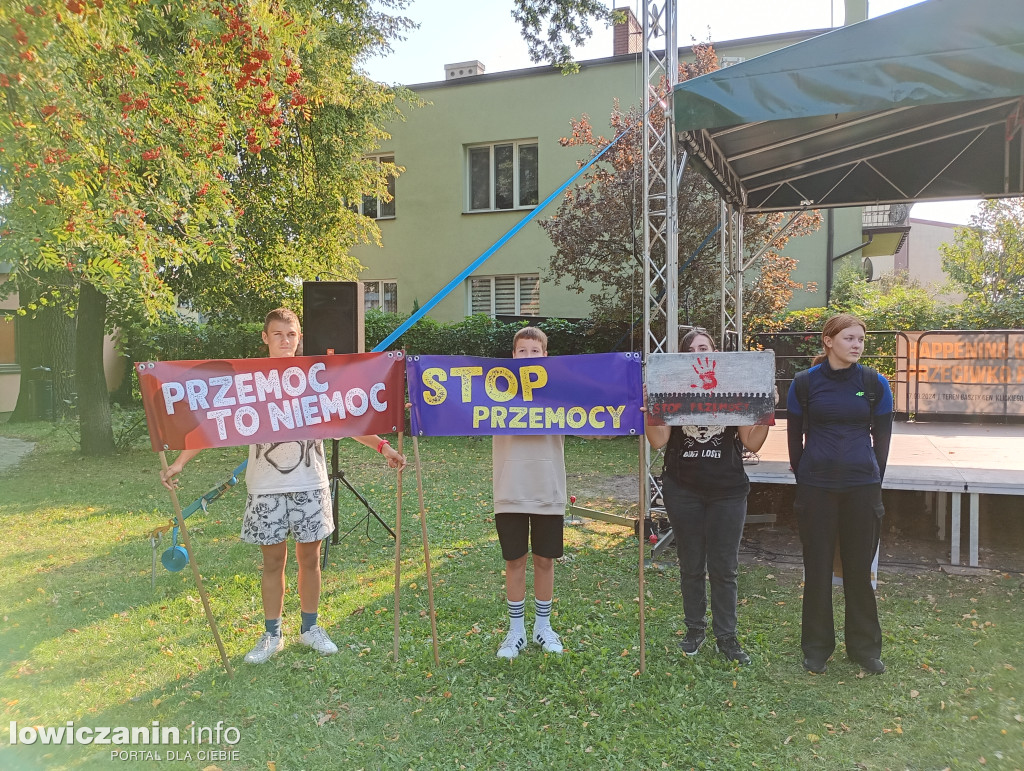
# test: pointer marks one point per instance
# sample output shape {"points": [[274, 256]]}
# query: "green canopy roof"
{"points": [[926, 103]]}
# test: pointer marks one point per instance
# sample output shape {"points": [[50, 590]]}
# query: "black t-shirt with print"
{"points": [[707, 460]]}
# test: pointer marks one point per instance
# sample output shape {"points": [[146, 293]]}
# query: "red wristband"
{"points": [[380, 447]]}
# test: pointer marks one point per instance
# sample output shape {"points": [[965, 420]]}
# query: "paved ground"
{"points": [[12, 451]]}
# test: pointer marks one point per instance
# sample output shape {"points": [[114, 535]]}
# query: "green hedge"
{"points": [[474, 336], [190, 340], [484, 336]]}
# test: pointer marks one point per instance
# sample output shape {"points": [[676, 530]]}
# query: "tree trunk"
{"points": [[27, 339], [45, 338], [59, 336], [97, 434]]}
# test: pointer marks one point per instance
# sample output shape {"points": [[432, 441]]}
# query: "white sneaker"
{"points": [[265, 647], [317, 639], [512, 644], [547, 639]]}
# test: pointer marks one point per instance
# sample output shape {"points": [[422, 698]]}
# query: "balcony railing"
{"points": [[887, 215]]}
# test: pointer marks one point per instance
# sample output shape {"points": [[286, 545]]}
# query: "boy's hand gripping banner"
{"points": [[596, 394], [227, 402], [711, 389]]}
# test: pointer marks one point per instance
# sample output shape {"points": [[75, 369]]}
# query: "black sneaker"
{"points": [[730, 648], [692, 642], [870, 665], [817, 666]]}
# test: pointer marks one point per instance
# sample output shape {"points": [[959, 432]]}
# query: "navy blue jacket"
{"points": [[845, 445]]}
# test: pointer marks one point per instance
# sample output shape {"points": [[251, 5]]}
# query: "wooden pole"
{"points": [[640, 532], [398, 548], [426, 548], [195, 573]]}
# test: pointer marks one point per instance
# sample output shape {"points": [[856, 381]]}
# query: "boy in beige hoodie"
{"points": [[529, 506]]}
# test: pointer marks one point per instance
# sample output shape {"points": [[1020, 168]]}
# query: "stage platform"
{"points": [[948, 460]]}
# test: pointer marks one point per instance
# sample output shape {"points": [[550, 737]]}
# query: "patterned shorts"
{"points": [[306, 515]]}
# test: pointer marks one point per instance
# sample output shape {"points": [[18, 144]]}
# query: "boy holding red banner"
{"points": [[289, 492], [529, 505]]}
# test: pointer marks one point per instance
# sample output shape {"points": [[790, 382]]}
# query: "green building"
{"points": [[481, 153]]}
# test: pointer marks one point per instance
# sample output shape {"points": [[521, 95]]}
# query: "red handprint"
{"points": [[706, 372]]}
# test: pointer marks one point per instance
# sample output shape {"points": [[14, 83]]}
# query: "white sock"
{"points": [[516, 617], [543, 611]]}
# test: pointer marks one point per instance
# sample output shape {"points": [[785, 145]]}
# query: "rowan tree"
{"points": [[128, 126], [597, 231]]}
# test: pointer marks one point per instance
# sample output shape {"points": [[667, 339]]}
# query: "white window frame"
{"points": [[378, 201], [380, 282], [517, 145], [521, 309]]}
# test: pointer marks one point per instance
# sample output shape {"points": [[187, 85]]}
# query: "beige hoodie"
{"points": [[529, 475]]}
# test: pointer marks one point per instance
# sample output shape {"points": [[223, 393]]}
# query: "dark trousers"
{"points": [[854, 516], [707, 533]]}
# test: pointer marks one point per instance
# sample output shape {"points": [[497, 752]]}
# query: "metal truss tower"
{"points": [[731, 238], [660, 179]]}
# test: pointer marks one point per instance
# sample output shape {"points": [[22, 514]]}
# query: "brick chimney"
{"points": [[856, 10], [627, 36]]}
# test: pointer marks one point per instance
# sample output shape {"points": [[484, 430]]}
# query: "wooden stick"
{"points": [[195, 573], [426, 548], [640, 532], [398, 548]]}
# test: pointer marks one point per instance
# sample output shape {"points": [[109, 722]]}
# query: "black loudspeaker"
{"points": [[332, 317]]}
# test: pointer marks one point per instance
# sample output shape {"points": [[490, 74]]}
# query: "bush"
{"points": [[484, 336], [473, 336], [178, 341], [894, 302], [978, 313]]}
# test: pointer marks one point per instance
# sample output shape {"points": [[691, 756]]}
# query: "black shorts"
{"points": [[544, 532]]}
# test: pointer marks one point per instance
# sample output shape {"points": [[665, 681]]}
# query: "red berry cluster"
{"points": [[129, 102], [56, 155], [257, 71]]}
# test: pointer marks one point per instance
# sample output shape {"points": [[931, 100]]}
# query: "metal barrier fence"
{"points": [[975, 375], [794, 352]]}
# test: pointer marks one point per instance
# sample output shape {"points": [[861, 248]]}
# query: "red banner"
{"points": [[229, 402]]}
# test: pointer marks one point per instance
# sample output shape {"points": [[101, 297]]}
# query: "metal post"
{"points": [[661, 180], [738, 279], [732, 274]]}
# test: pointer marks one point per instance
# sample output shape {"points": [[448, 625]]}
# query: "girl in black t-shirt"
{"points": [[705, 490]]}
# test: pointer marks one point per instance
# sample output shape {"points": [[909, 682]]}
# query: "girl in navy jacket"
{"points": [[838, 452]]}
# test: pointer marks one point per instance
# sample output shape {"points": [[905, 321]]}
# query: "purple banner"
{"points": [[595, 394]]}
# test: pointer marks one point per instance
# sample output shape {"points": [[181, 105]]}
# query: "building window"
{"points": [[375, 207], [505, 295], [502, 176], [381, 294]]}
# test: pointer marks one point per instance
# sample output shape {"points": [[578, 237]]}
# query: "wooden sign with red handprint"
{"points": [[711, 389]]}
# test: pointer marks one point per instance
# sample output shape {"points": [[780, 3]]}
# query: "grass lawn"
{"points": [[86, 638]]}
